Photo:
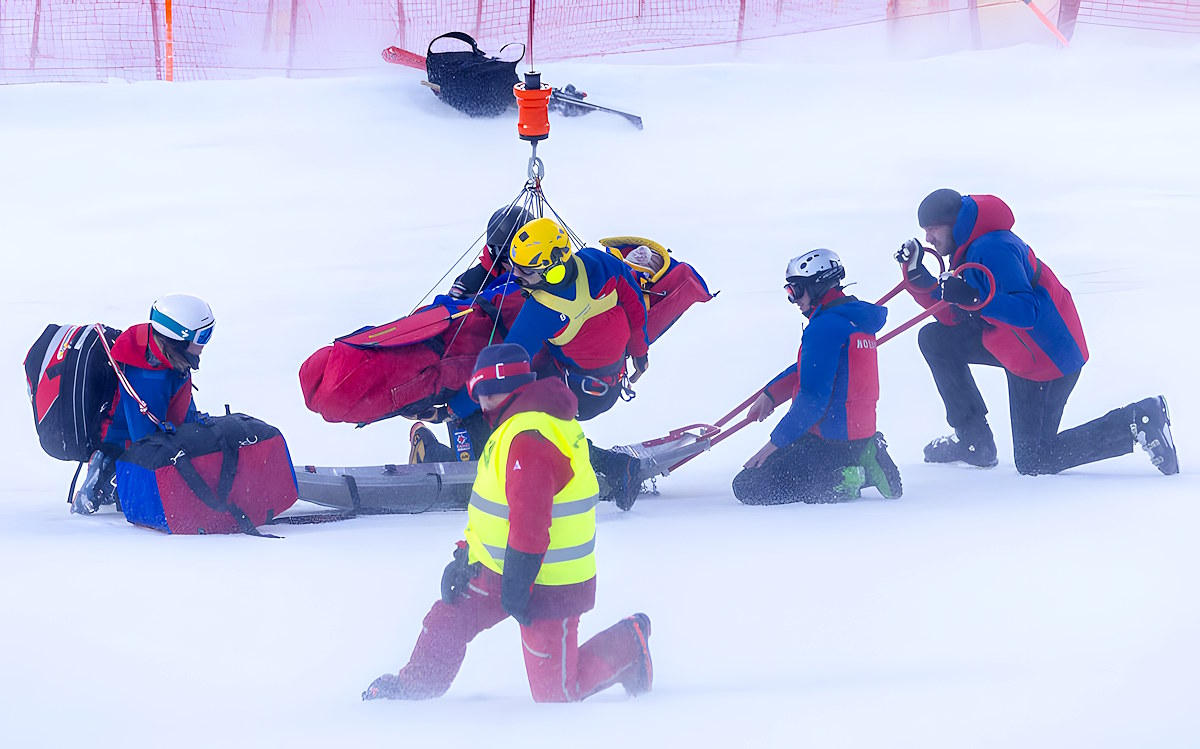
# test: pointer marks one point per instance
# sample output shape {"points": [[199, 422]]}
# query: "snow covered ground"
{"points": [[983, 609]]}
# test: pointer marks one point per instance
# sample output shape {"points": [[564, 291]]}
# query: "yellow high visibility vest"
{"points": [[579, 310], [570, 558]]}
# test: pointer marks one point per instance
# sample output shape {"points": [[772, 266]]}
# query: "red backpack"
{"points": [[72, 386]]}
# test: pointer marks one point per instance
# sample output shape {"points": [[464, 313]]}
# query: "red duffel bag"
{"points": [[226, 474]]}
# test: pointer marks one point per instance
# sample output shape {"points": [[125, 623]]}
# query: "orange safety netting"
{"points": [[71, 40]]}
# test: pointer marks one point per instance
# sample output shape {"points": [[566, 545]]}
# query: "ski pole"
{"points": [[941, 305], [1047, 23], [576, 99]]}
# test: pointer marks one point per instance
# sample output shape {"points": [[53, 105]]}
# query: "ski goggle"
{"points": [[198, 337], [794, 291]]}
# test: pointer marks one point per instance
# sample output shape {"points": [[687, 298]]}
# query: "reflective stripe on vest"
{"points": [[578, 310], [552, 555], [570, 558]]}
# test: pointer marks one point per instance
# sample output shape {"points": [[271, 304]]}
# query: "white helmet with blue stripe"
{"points": [[183, 317]]}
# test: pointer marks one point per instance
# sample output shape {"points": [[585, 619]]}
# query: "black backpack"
{"points": [[72, 385], [469, 80]]}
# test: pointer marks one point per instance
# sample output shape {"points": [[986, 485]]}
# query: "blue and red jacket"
{"points": [[603, 340], [166, 391], [1031, 325], [834, 384]]}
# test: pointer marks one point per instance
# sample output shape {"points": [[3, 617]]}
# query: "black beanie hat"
{"points": [[500, 368], [939, 208]]}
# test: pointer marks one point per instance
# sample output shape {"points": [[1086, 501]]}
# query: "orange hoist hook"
{"points": [[533, 117]]}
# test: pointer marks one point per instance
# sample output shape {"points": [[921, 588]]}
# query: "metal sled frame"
{"points": [[388, 489], [443, 487]]}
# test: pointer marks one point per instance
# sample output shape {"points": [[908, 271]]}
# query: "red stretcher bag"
{"points": [[404, 367]]}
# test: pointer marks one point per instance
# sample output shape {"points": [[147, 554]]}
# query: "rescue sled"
{"points": [[446, 487]]}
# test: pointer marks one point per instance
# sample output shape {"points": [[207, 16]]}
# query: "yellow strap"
{"points": [[579, 310]]}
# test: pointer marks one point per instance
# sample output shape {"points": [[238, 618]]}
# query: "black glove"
{"points": [[640, 365], [909, 255], [458, 574], [520, 570], [385, 687], [957, 291]]}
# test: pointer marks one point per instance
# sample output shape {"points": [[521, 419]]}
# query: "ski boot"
{"points": [[425, 448], [562, 103], [620, 472], [99, 485], [973, 445], [1151, 429], [386, 687], [641, 674], [850, 487], [881, 470]]}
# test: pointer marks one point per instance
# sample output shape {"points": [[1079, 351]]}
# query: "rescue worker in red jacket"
{"points": [[1029, 328], [156, 359], [529, 551], [585, 314], [825, 448]]}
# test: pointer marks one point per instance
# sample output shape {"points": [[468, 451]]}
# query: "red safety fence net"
{"points": [[1160, 15], [93, 40]]}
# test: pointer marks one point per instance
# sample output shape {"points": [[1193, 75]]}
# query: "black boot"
{"points": [[620, 475], [973, 445], [1151, 429], [425, 448]]}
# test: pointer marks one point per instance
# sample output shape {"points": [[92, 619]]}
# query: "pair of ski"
{"points": [[568, 98]]}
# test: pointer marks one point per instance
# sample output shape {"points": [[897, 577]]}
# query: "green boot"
{"points": [[881, 470], [853, 479]]}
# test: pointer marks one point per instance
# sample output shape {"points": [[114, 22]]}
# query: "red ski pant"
{"points": [[559, 669]]}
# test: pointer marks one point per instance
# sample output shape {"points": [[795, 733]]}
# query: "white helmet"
{"points": [[183, 317], [817, 266], [816, 272]]}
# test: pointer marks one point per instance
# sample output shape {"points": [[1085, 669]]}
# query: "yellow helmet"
{"points": [[540, 245]]}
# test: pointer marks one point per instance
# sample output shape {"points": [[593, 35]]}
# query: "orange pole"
{"points": [[1047, 23], [170, 66]]}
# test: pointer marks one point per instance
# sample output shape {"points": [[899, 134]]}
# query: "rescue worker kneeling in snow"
{"points": [[529, 551], [156, 359], [584, 315], [825, 448]]}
